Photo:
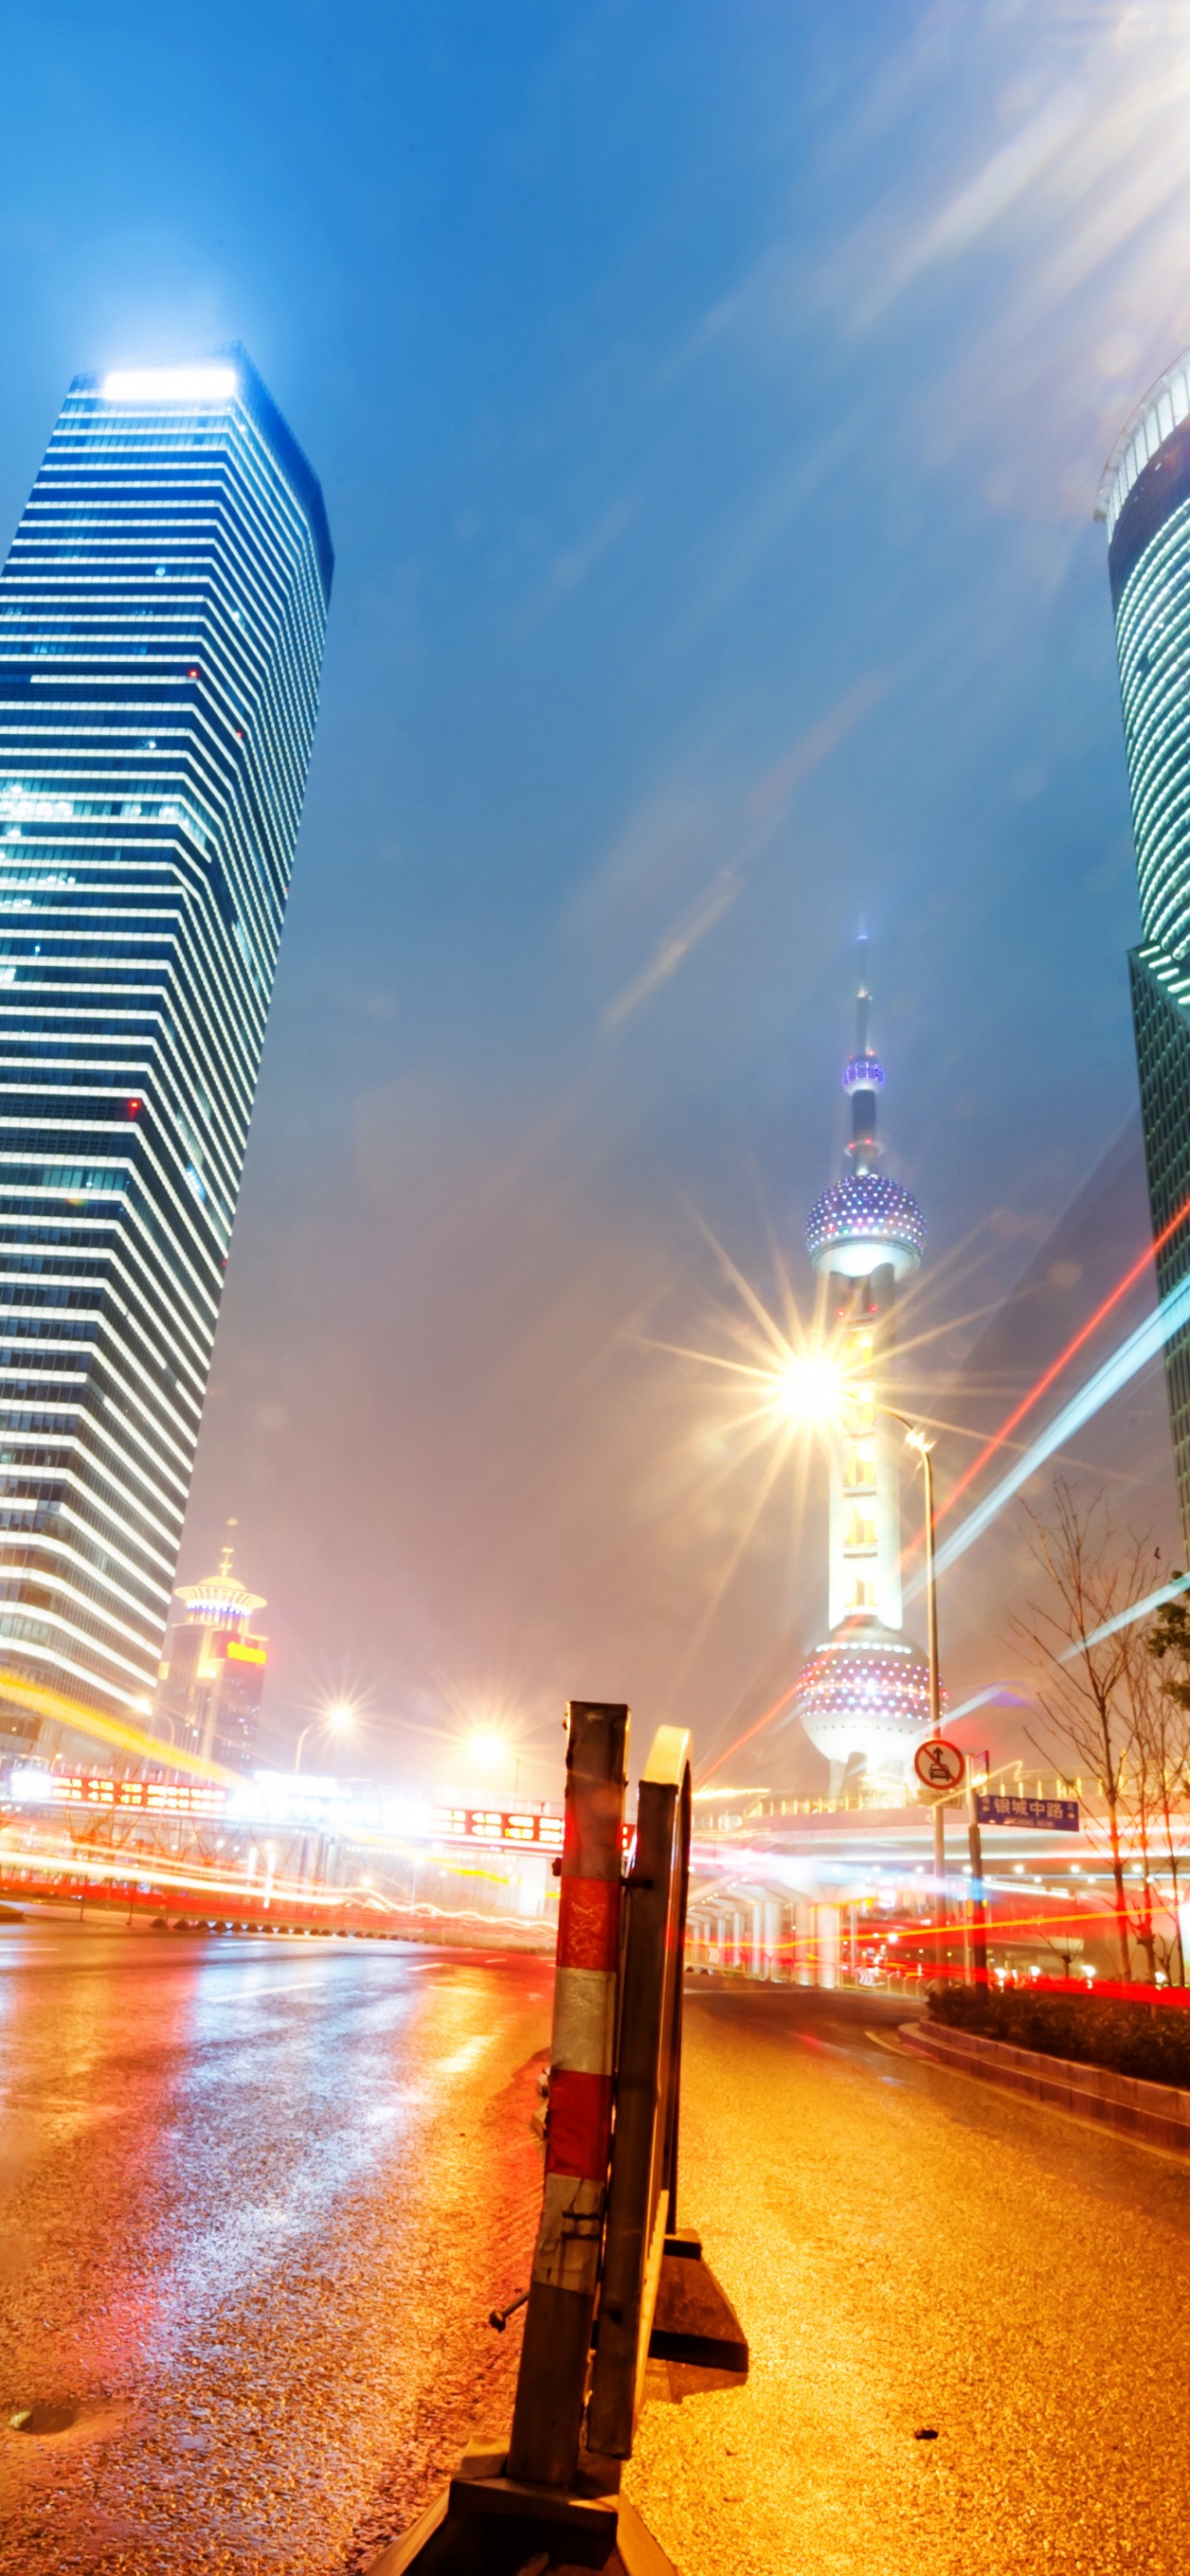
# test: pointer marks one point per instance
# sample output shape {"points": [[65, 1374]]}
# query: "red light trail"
{"points": [[774, 1711], [1063, 1360]]}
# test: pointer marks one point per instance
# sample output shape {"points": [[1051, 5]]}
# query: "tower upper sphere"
{"points": [[865, 1221]]}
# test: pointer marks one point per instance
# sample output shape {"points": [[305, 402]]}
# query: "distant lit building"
{"points": [[213, 1671], [864, 1697], [162, 614], [1145, 501]]}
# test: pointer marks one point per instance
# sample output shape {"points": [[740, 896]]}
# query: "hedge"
{"points": [[1131, 2038]]}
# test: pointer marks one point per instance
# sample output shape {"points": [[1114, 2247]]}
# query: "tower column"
{"points": [[863, 1697]]}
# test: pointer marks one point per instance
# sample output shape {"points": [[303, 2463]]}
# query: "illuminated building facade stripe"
{"points": [[162, 614], [1145, 501]]}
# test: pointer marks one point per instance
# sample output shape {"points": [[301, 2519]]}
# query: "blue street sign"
{"points": [[1052, 1815]]}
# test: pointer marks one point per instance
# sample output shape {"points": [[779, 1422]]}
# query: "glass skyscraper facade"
{"points": [[162, 615], [1145, 501]]}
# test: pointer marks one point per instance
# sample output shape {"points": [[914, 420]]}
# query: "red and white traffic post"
{"points": [[551, 2387]]}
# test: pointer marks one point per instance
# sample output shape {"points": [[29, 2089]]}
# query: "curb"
{"points": [[1156, 2113]]}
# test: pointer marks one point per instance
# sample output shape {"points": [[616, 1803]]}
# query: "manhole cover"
{"points": [[44, 2418]]}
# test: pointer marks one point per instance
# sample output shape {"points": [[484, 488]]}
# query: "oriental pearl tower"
{"points": [[864, 1695]]}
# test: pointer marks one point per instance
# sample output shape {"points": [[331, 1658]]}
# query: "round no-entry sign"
{"points": [[939, 1765]]}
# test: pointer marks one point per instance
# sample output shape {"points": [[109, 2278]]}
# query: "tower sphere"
{"points": [[862, 1222]]}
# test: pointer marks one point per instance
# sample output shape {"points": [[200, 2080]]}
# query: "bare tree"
{"points": [[1092, 1677], [1167, 1751], [1141, 1789]]}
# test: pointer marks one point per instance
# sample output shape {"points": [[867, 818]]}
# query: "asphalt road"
{"points": [[258, 2197], [911, 2251]]}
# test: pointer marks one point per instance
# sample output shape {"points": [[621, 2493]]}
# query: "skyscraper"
{"points": [[864, 1695], [162, 615], [1145, 501]]}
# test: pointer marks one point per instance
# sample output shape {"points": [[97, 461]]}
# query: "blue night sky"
{"points": [[710, 403]]}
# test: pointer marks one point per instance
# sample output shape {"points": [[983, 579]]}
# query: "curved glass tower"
{"points": [[864, 1696], [1145, 501], [162, 614]]}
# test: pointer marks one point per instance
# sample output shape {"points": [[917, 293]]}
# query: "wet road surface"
{"points": [[258, 2196], [910, 2250]]}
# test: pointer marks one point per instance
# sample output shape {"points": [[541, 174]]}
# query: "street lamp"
{"points": [[338, 1720], [486, 1747], [915, 1438]]}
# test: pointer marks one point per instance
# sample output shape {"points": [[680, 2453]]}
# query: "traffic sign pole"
{"points": [[979, 1917], [939, 1873], [940, 1766], [935, 1694]]}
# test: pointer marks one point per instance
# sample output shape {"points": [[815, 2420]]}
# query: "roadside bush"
{"points": [[1151, 2041]]}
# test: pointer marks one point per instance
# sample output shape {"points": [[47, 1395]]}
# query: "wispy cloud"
{"points": [[764, 809], [674, 949], [572, 565], [980, 203]]}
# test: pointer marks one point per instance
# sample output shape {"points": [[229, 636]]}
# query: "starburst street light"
{"points": [[810, 1390], [339, 1719], [486, 1747]]}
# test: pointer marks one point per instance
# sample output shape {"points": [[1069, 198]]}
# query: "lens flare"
{"points": [[810, 1389], [486, 1747]]}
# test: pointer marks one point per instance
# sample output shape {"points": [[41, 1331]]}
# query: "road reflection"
{"points": [[257, 2199]]}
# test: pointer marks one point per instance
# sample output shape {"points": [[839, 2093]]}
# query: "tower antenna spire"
{"points": [[863, 999]]}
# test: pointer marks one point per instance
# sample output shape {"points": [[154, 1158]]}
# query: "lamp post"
{"points": [[340, 1719], [975, 1949], [915, 1438], [979, 1917]]}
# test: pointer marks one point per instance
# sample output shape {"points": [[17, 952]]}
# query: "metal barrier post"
{"points": [[641, 2201], [551, 2386], [546, 2502]]}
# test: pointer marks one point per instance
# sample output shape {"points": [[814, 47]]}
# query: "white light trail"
{"points": [[998, 1691], [1125, 1618], [1140, 1347]]}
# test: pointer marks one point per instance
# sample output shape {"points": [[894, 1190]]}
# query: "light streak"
{"points": [[1140, 1347], [41, 1701], [774, 1711], [1000, 1692], [91, 1874], [1054, 1371], [153, 1874], [1125, 1618]]}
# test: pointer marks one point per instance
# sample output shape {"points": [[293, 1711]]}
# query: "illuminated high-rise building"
{"points": [[162, 614], [1145, 500], [213, 1672], [863, 1697]]}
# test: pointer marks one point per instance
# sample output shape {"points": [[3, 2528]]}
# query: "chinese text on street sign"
{"points": [[1051, 1815]]}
